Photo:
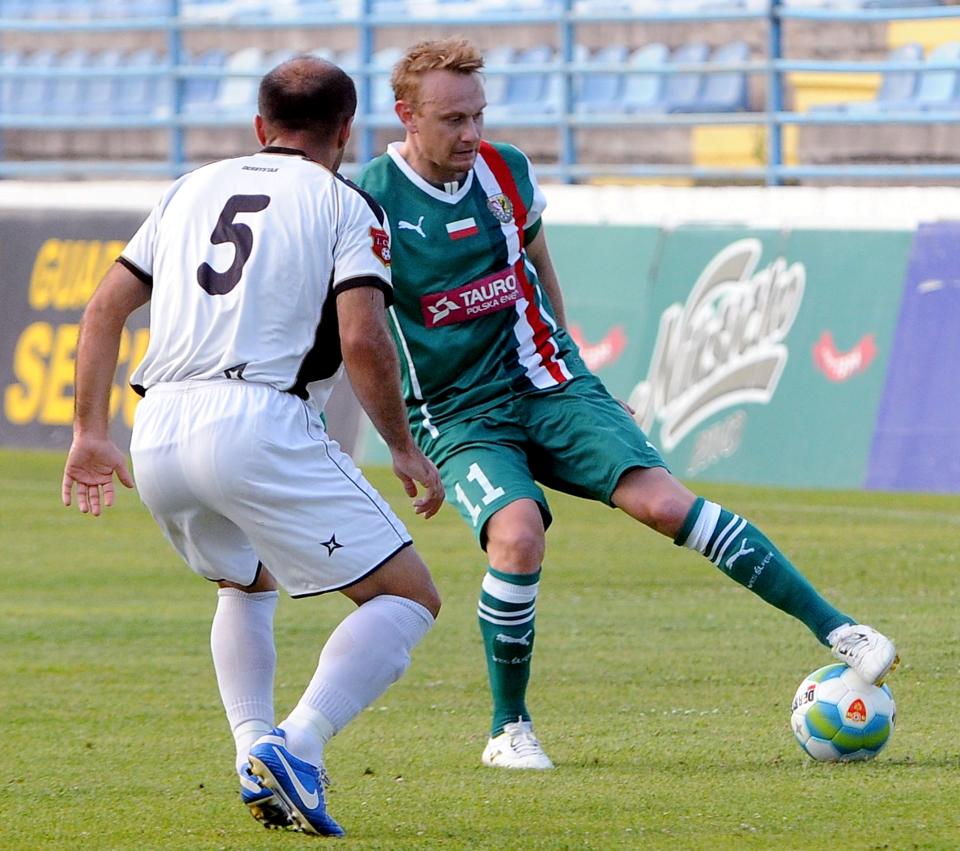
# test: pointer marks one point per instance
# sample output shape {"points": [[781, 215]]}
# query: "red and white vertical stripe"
{"points": [[534, 329]]}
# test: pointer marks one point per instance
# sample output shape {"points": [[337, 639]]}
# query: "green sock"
{"points": [[747, 556], [506, 613]]}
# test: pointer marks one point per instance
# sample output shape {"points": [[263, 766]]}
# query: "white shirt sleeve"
{"points": [[142, 248], [362, 247]]}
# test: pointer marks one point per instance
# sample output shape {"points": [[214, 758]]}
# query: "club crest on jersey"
{"points": [[380, 245], [501, 207]]}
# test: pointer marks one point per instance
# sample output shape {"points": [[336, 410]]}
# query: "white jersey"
{"points": [[245, 257]]}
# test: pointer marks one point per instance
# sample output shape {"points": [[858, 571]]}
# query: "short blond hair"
{"points": [[443, 54]]}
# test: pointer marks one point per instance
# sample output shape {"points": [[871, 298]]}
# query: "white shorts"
{"points": [[239, 473]]}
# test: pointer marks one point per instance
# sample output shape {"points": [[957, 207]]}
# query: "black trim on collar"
{"points": [[277, 149]]}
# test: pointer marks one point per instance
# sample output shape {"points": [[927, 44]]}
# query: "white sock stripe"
{"points": [[505, 614], [729, 541], [722, 536], [500, 621], [508, 592], [704, 528]]}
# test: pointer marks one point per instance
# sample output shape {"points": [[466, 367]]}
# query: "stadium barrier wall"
{"points": [[801, 343]]}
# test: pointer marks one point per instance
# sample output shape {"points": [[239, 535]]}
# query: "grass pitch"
{"points": [[661, 689]]}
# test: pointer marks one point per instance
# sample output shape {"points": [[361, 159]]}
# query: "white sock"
{"points": [[368, 651], [244, 657]]}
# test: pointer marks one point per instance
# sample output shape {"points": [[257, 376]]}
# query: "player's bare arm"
{"points": [[539, 255], [371, 361], [94, 458]]}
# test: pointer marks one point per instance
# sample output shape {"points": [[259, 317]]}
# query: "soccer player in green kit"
{"points": [[499, 398]]}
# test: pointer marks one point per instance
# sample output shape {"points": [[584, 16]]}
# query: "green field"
{"points": [[661, 689]]}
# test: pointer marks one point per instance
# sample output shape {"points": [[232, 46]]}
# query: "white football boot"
{"points": [[871, 654], [516, 747]]}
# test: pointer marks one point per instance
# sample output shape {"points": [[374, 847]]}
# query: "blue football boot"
{"points": [[297, 784], [263, 804]]}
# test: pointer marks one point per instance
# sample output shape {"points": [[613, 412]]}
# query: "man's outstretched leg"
{"points": [[368, 651], [741, 551], [506, 612]]}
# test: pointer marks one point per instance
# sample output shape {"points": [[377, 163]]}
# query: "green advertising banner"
{"points": [[749, 356]]}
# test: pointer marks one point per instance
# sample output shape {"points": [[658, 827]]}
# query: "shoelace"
{"points": [[525, 743], [852, 644], [324, 777]]}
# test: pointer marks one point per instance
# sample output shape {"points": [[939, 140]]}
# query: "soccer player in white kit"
{"points": [[266, 274]]}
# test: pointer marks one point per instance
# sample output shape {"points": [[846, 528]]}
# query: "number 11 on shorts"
{"points": [[490, 493]]}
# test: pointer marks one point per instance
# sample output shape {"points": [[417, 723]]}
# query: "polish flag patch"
{"points": [[462, 228]]}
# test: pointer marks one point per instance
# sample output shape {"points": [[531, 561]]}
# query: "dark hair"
{"points": [[307, 93]]}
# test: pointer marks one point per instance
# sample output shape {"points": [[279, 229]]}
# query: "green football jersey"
{"points": [[471, 321]]}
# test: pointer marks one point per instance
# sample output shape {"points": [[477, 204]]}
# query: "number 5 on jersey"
{"points": [[226, 230], [489, 492]]}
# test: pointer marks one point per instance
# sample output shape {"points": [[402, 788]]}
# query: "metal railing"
{"points": [[567, 19]]}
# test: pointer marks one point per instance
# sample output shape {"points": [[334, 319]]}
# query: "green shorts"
{"points": [[576, 439]]}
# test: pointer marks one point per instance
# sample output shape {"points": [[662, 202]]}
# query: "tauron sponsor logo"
{"points": [[725, 346], [597, 355], [839, 366], [478, 298]]}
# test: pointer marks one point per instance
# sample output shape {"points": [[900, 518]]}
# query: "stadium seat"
{"points": [[495, 83], [390, 8], [601, 91], [30, 95], [142, 96], [897, 89], [530, 91], [238, 95], [9, 60], [940, 89], [381, 67], [66, 92], [99, 96], [320, 9], [349, 60], [725, 91], [681, 91], [643, 92], [200, 94]]}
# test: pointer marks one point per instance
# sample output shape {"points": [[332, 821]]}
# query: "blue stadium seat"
{"points": [[199, 94], [940, 89], [725, 91], [495, 84], [320, 9], [897, 88], [142, 96], [530, 91], [381, 66], [65, 96], [9, 61], [99, 95], [681, 91], [326, 53], [30, 95], [349, 60], [238, 95], [644, 92], [601, 91]]}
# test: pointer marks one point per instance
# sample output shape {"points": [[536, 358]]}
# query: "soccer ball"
{"points": [[837, 717]]}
